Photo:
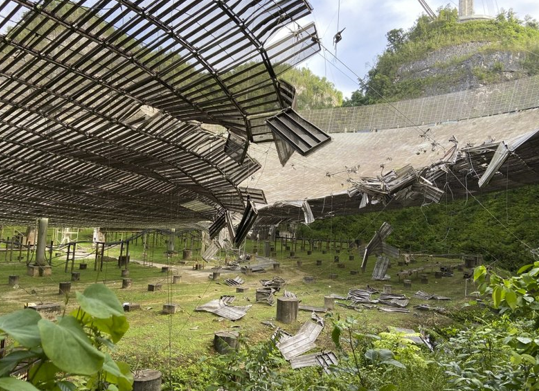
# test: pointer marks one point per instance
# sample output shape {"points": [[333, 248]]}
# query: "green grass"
{"points": [[189, 333]]}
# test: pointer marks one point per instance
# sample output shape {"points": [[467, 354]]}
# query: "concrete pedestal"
{"points": [[287, 309], [147, 380], [225, 341], [64, 288], [329, 302]]}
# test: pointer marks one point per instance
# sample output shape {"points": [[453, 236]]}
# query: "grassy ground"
{"points": [[189, 334]]}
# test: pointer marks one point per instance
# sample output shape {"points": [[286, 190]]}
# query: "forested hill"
{"points": [[501, 226], [444, 55], [312, 91]]}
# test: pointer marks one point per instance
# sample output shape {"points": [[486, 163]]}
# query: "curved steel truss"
{"points": [[101, 103]]}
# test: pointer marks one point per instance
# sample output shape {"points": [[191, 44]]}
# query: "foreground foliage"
{"points": [[69, 354]]}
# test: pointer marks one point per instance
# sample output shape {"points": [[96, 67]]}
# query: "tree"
{"points": [[395, 39], [357, 99]]}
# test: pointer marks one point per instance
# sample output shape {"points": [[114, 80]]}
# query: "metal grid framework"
{"points": [[463, 171], [511, 96], [101, 104]]}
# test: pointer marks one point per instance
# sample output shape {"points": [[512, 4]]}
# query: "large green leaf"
{"points": [[383, 356], [12, 384], [9, 362], [43, 375], [511, 298], [336, 336], [524, 268], [118, 373], [379, 354], [497, 296], [69, 348], [115, 326], [65, 386], [22, 327], [100, 302]]}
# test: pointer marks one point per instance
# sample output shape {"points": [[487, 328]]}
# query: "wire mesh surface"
{"points": [[100, 105], [521, 94]]}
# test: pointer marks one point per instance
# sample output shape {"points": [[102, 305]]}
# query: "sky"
{"points": [[366, 23]]}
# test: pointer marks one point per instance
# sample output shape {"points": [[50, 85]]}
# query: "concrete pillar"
{"points": [[204, 241], [287, 309], [170, 244], [98, 236], [41, 241], [329, 302], [226, 341], [267, 248]]}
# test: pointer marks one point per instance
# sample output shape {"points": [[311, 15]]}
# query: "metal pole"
{"points": [[73, 256], [102, 255], [121, 253], [96, 255], [126, 254], [50, 253], [67, 258]]}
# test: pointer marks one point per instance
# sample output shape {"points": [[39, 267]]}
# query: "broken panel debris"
{"points": [[221, 307]]}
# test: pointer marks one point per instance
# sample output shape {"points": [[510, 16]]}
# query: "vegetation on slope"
{"points": [[312, 92], [500, 226], [387, 81]]}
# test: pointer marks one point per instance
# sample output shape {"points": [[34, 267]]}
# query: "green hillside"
{"points": [[312, 92], [501, 226], [444, 55]]}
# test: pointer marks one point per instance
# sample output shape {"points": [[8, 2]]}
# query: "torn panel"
{"points": [[236, 281], [298, 133], [322, 359], [255, 195], [375, 246], [265, 295], [246, 223], [284, 150], [212, 249], [221, 307], [236, 147], [390, 251], [380, 268], [503, 151], [218, 224], [302, 342]]}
